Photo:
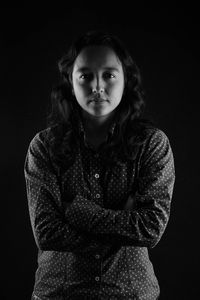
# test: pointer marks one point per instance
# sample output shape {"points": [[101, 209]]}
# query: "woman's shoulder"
{"points": [[41, 138], [150, 130], [50, 132], [156, 135], [157, 143]]}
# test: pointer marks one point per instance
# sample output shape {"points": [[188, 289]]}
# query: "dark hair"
{"points": [[130, 130]]}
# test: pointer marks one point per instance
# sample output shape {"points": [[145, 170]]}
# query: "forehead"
{"points": [[94, 57]]}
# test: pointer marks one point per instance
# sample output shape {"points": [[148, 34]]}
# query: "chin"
{"points": [[102, 113]]}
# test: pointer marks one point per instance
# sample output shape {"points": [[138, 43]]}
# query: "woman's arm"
{"points": [[50, 228], [141, 226]]}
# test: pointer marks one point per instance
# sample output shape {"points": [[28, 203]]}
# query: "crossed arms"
{"points": [[84, 225]]}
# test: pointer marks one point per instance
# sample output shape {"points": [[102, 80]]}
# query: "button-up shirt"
{"points": [[89, 245]]}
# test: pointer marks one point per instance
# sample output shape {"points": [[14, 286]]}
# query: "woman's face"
{"points": [[98, 80]]}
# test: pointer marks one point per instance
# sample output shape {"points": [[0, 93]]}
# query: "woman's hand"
{"points": [[129, 203]]}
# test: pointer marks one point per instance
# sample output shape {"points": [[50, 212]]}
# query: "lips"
{"points": [[97, 100]]}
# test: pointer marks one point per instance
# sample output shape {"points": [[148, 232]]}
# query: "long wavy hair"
{"points": [[130, 130]]}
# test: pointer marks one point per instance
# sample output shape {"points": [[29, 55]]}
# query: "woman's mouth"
{"points": [[98, 100]]}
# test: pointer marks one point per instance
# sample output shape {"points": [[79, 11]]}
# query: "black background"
{"points": [[164, 40]]}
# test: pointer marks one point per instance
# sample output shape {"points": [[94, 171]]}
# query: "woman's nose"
{"points": [[99, 90], [98, 85]]}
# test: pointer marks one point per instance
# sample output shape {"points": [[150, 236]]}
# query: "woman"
{"points": [[99, 180]]}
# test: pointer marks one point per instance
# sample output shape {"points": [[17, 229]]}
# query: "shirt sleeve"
{"points": [[144, 223], [50, 228]]}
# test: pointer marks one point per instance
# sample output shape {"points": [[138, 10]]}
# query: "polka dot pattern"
{"points": [[93, 225]]}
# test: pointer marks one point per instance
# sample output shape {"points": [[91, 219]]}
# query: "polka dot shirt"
{"points": [[93, 225]]}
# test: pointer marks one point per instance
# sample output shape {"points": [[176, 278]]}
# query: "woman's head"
{"points": [[87, 75], [97, 80]]}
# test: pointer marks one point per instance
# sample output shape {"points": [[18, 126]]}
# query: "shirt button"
{"points": [[96, 175], [97, 278], [97, 256], [97, 195]]}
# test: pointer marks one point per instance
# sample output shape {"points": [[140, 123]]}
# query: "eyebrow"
{"points": [[84, 69]]}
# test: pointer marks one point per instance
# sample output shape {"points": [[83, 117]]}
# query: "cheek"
{"points": [[117, 87], [80, 87]]}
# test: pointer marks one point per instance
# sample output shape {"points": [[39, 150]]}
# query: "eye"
{"points": [[109, 75], [85, 76], [82, 76]]}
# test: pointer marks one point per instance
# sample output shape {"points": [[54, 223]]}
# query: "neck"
{"points": [[96, 125]]}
